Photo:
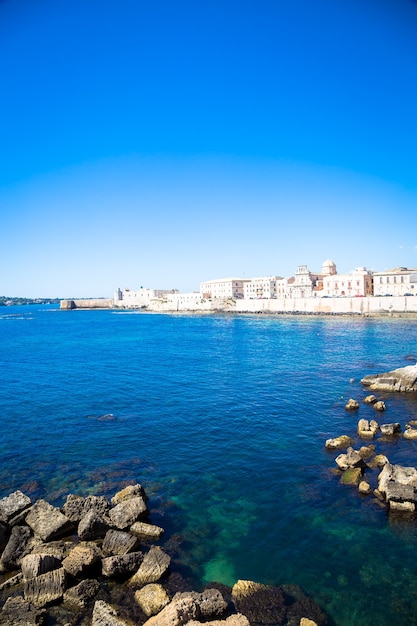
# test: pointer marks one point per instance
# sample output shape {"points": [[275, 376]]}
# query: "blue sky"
{"points": [[161, 144]]}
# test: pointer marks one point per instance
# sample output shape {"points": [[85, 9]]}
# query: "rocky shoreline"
{"points": [[100, 563], [396, 485]]}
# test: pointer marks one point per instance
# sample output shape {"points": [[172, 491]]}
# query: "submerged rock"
{"points": [[401, 379], [352, 405], [339, 443]]}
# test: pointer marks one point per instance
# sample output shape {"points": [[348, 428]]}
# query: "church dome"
{"points": [[328, 267]]}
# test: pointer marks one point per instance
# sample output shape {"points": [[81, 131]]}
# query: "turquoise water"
{"points": [[224, 420]]}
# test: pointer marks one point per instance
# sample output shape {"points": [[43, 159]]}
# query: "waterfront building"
{"points": [[357, 283], [306, 284], [140, 297], [222, 288], [400, 281], [263, 287]]}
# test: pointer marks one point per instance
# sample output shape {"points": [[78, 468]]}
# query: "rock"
{"points": [[146, 531], [99, 504], [127, 512], [46, 588], [366, 452], [47, 522], [12, 505], [34, 565], [260, 603], [306, 611], [370, 399], [17, 547], [20, 612], [379, 406], [81, 561], [152, 598], [58, 549], [210, 602], [121, 564], [339, 443], [92, 526], [79, 596], [390, 429], [73, 508], [379, 460], [402, 507], [105, 615], [178, 612], [364, 488], [352, 476], [236, 619], [352, 458], [366, 429], [396, 474], [154, 565], [352, 405], [119, 542], [401, 379], [410, 433], [129, 492], [304, 621], [11, 582]]}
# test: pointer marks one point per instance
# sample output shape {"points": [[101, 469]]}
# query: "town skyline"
{"points": [[176, 143]]}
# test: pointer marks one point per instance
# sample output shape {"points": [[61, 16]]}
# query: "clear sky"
{"points": [[164, 143]]}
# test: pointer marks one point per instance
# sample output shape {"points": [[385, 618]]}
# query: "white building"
{"points": [[222, 288], [355, 284], [263, 287], [142, 297], [305, 283], [400, 281]]}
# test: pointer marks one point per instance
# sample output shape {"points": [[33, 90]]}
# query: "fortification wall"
{"points": [[87, 303]]}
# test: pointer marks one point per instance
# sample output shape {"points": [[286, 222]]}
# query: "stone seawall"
{"points": [[88, 303]]}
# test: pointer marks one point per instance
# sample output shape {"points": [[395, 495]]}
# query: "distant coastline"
{"points": [[371, 306]]}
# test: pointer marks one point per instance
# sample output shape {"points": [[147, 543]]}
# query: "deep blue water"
{"points": [[223, 419]]}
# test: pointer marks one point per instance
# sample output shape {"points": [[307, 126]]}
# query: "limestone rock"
{"points": [[105, 615], [236, 619], [366, 452], [379, 460], [401, 379], [339, 443], [92, 526], [13, 504], [17, 547], [79, 596], [364, 488], [47, 521], [154, 565], [352, 405], [260, 603], [352, 476], [410, 433], [80, 561], [46, 588], [379, 406], [127, 512], [20, 612], [119, 542], [121, 564], [152, 598], [178, 612], [398, 474], [370, 399], [73, 508], [402, 507], [366, 429], [34, 565], [129, 492], [146, 531], [390, 429]]}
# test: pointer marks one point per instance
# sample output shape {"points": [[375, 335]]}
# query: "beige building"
{"points": [[141, 297], [263, 287], [400, 281], [222, 288], [355, 284]]}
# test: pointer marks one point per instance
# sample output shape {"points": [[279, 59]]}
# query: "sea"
{"points": [[223, 419]]}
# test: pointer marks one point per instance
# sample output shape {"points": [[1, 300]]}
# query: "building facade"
{"points": [[263, 287], [355, 284], [400, 281], [222, 288]]}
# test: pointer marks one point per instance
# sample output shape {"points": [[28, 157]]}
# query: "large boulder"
{"points": [[339, 443], [390, 429], [19, 544], [19, 612], [121, 564], [127, 512], [46, 588], [106, 615], [81, 561], [352, 405], [152, 598], [401, 379], [367, 429], [12, 505], [119, 542], [47, 521], [154, 565], [78, 597], [261, 604]]}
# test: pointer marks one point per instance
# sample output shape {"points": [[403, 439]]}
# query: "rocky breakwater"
{"points": [[395, 487], [96, 562], [401, 379]]}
